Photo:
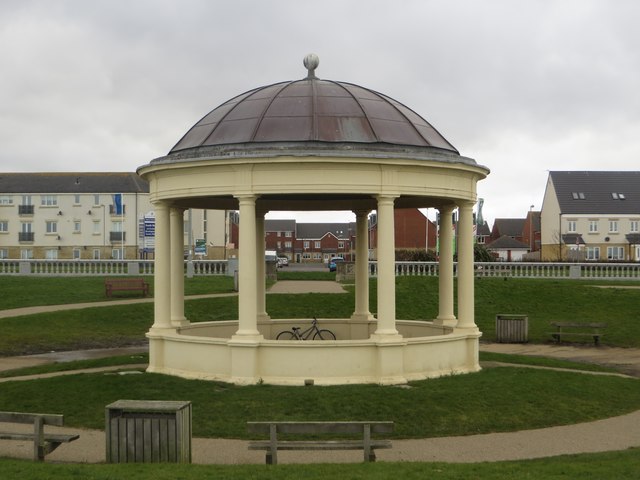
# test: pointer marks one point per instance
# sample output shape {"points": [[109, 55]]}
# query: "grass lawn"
{"points": [[498, 399], [493, 400], [595, 466], [543, 301], [26, 291]]}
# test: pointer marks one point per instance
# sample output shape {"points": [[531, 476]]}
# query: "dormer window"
{"points": [[617, 196], [577, 195]]}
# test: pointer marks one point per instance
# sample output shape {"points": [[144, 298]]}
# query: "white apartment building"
{"points": [[80, 215]]}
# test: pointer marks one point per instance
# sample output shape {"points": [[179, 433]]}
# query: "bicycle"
{"points": [[296, 334]]}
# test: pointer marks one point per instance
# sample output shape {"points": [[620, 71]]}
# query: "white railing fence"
{"points": [[221, 267], [629, 271], [101, 267]]}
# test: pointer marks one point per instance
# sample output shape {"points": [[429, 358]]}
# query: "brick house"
{"points": [[318, 242], [411, 230]]}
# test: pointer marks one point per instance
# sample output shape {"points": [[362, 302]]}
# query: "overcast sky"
{"points": [[522, 87]]}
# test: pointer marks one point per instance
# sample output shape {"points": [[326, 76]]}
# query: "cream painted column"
{"points": [[261, 300], [466, 313], [362, 268], [162, 268], [176, 226], [445, 269], [247, 295], [386, 267]]}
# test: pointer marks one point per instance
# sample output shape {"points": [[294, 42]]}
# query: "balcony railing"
{"points": [[25, 209], [26, 236], [117, 236]]}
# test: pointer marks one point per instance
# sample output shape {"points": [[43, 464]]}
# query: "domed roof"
{"points": [[312, 110]]}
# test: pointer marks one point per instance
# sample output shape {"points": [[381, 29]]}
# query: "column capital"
{"points": [[246, 198], [386, 197], [361, 213], [466, 204], [447, 209]]}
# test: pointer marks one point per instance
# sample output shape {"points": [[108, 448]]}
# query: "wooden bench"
{"points": [[574, 329], [125, 284], [43, 443], [367, 444]]}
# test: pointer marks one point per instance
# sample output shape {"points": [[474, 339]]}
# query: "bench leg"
{"points": [[272, 453], [38, 440]]}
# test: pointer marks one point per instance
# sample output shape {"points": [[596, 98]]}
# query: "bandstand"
{"points": [[311, 145]]}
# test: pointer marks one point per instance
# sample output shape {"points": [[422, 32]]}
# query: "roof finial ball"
{"points": [[311, 62]]}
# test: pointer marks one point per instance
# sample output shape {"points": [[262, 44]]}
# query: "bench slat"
{"points": [[320, 427], [16, 417], [48, 437], [319, 445], [578, 325]]}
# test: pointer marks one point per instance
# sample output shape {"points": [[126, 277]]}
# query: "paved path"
{"points": [[617, 433]]}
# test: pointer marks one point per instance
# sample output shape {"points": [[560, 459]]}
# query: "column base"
{"points": [[263, 317], [386, 336], [362, 317], [180, 322], [246, 337], [448, 321]]}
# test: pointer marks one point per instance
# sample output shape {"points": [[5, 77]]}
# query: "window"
{"points": [[76, 199], [287, 234], [634, 226], [96, 199], [618, 196], [577, 195], [593, 226], [278, 245], [51, 254], [4, 253], [278, 234], [49, 201], [26, 227], [306, 244], [317, 245], [593, 253], [340, 244], [306, 255], [52, 227], [116, 254], [613, 226], [77, 226], [26, 254], [26, 200], [96, 228], [96, 254], [287, 244], [317, 256], [615, 253], [6, 200], [572, 226], [76, 254], [4, 226]]}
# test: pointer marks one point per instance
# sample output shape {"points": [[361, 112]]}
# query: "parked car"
{"points": [[283, 262], [333, 263]]}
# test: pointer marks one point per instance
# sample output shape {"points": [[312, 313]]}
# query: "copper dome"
{"points": [[312, 110]]}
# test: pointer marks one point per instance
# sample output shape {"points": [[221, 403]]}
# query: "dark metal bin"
{"points": [[148, 431]]}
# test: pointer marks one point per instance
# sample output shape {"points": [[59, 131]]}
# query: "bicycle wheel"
{"points": [[324, 335], [286, 335]]}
